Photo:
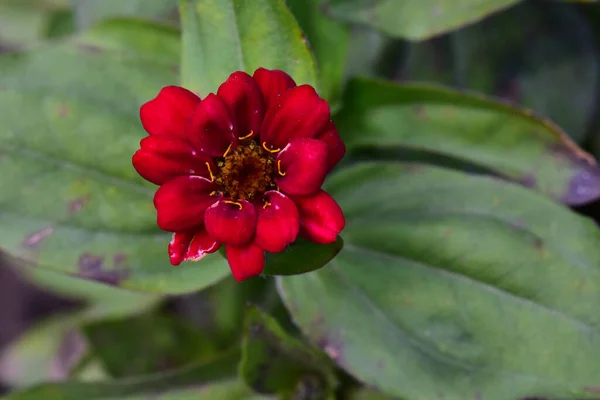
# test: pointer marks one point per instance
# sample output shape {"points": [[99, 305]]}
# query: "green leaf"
{"points": [[414, 19], [71, 201], [302, 256], [194, 380], [90, 12], [274, 362], [60, 24], [455, 284], [509, 142], [368, 394], [223, 36], [49, 351], [328, 39], [24, 22], [168, 342], [52, 348], [541, 57]]}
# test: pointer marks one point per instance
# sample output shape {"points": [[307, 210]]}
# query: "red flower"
{"points": [[243, 168]]}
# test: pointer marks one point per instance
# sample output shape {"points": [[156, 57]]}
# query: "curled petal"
{"points": [[302, 114], [273, 83], [335, 147], [278, 222], [245, 101], [231, 222], [245, 262], [179, 246], [162, 158], [211, 129], [191, 246], [201, 245], [169, 111], [181, 202], [321, 217], [302, 166]]}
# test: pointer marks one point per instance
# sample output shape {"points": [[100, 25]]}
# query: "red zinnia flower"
{"points": [[243, 168]]}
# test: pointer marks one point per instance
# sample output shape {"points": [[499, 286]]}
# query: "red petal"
{"points": [[278, 222], [211, 129], [231, 222], [181, 202], [191, 246], [245, 262], [273, 83], [302, 114], [321, 217], [201, 245], [162, 158], [245, 101], [335, 147], [169, 111], [179, 245], [302, 167]]}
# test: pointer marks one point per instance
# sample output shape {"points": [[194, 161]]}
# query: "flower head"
{"points": [[241, 168]]}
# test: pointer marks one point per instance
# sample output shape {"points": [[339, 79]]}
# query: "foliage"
{"points": [[469, 267]]}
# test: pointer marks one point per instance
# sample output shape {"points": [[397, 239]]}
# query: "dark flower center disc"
{"points": [[246, 172]]}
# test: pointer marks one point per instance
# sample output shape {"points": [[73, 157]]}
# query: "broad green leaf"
{"points": [[195, 379], [60, 24], [274, 362], [509, 142], [53, 348], [23, 22], [48, 352], [301, 256], [328, 39], [102, 300], [223, 36], [368, 394], [90, 12], [368, 47], [455, 284], [167, 342], [538, 56], [415, 19], [71, 201]]}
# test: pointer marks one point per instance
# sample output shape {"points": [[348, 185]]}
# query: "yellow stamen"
{"points": [[212, 177], [264, 145], [279, 168], [267, 204], [213, 193], [228, 149], [247, 136], [235, 203]]}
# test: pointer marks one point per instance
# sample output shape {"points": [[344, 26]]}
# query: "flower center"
{"points": [[246, 172]]}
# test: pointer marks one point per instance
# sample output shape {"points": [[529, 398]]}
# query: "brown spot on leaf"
{"points": [[528, 180], [72, 348], [90, 262], [120, 260], [592, 389], [90, 48], [419, 111], [91, 267], [35, 239], [332, 349], [64, 111], [583, 188], [76, 205]]}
